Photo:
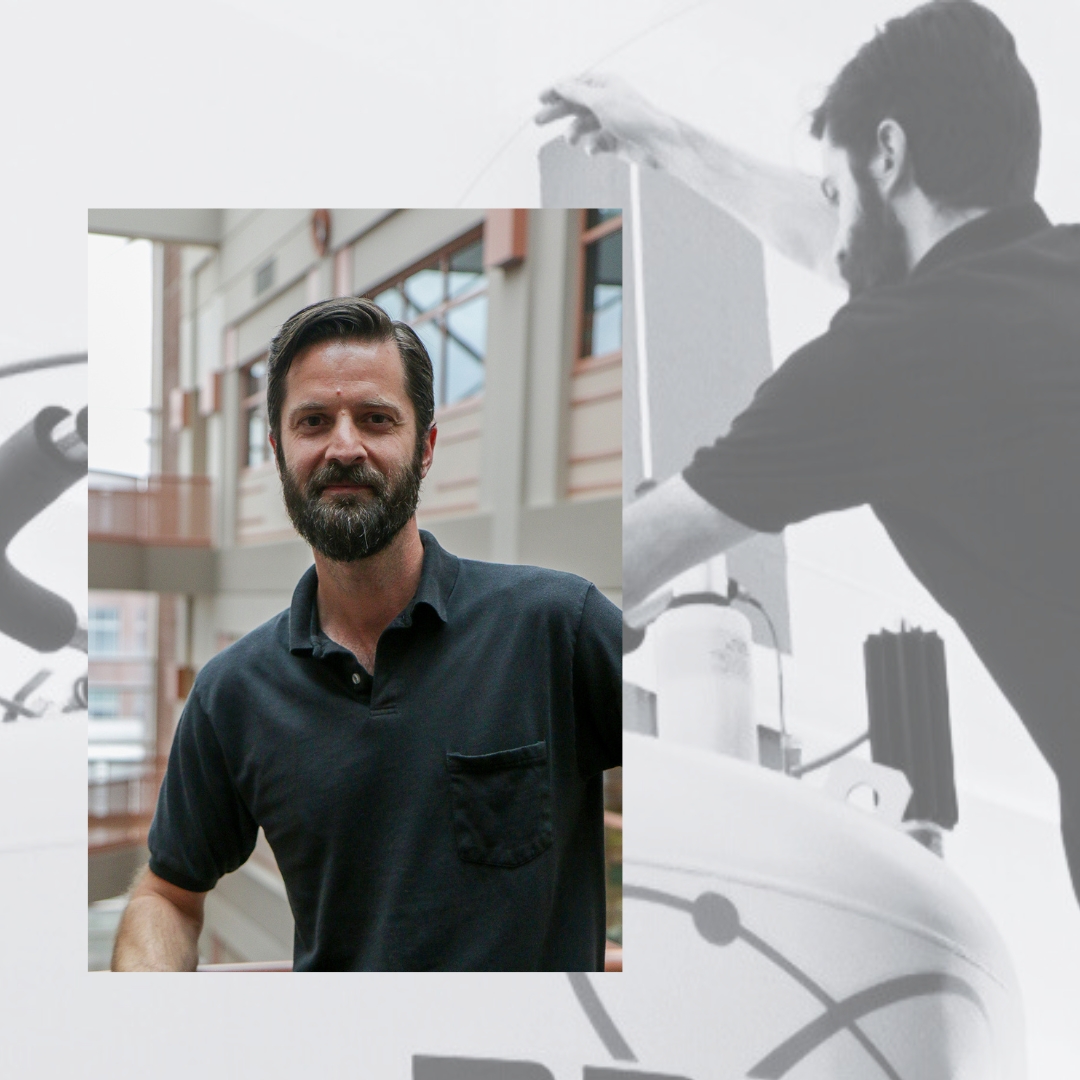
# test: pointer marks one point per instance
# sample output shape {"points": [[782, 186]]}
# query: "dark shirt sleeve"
{"points": [[865, 412], [202, 828], [598, 684]]}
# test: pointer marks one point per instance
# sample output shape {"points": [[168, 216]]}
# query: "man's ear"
{"points": [[428, 454], [273, 446], [891, 164]]}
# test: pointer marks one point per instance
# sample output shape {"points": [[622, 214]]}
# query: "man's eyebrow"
{"points": [[380, 403], [306, 406], [367, 403]]}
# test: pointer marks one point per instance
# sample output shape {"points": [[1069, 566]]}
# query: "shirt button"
{"points": [[356, 678]]}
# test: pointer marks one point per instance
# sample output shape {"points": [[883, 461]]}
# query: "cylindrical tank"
{"points": [[704, 691], [788, 934]]}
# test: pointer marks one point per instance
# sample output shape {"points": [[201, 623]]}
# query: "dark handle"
{"points": [[33, 472]]}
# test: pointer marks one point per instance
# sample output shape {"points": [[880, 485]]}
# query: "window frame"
{"points": [[440, 259], [586, 238], [95, 629], [248, 402]]}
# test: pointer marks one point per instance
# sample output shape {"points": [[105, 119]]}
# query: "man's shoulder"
{"points": [[522, 588], [482, 580]]}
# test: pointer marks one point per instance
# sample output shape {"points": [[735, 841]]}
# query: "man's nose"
{"points": [[346, 443]]}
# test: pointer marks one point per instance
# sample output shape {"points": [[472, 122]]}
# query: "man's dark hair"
{"points": [[348, 318], [948, 74]]}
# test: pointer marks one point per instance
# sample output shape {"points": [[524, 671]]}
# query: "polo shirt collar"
{"points": [[437, 579], [993, 229]]}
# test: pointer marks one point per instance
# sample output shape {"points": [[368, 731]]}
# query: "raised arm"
{"points": [[785, 209], [160, 928], [665, 532]]}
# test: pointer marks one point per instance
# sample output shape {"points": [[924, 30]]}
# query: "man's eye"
{"points": [[380, 419], [311, 421]]}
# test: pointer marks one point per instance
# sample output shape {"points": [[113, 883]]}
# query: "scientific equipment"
{"points": [[38, 463]]}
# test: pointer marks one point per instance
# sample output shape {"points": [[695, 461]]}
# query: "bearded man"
{"points": [[945, 394], [421, 737]]}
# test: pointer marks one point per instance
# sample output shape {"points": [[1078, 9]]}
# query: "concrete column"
{"points": [[502, 453], [551, 257], [171, 299], [229, 451]]}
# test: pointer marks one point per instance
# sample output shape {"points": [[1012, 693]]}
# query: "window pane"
{"points": [[603, 296], [103, 704], [465, 373], [466, 345], [258, 450], [607, 320], [595, 217], [424, 290], [467, 325], [466, 269], [256, 378], [392, 302], [432, 337], [103, 626]]}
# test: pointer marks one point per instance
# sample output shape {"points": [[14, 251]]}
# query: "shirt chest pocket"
{"points": [[501, 805]]}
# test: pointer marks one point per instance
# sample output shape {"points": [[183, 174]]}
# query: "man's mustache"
{"points": [[334, 473]]}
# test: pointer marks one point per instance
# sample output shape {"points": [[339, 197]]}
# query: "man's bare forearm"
{"points": [[666, 532], [155, 935], [782, 207]]}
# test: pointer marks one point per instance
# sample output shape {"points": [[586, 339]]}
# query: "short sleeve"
{"points": [[872, 409], [598, 684], [202, 829]]}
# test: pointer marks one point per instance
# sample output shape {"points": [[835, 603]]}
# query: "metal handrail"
{"points": [[159, 509]]}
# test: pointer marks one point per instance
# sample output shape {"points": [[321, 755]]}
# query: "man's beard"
{"points": [[350, 526], [876, 252]]}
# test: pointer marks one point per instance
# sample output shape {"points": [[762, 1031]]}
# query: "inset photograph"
{"points": [[355, 583]]}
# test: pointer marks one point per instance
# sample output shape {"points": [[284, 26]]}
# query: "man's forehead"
{"points": [[351, 359], [375, 371]]}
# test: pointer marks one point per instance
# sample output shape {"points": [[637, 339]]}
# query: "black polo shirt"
{"points": [[444, 814], [950, 403]]}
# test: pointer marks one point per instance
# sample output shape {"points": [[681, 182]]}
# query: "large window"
{"points": [[444, 299], [103, 703], [104, 631], [254, 430], [601, 323]]}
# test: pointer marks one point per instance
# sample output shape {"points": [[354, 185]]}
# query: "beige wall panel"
{"points": [[595, 427], [454, 479], [468, 536], [453, 484], [294, 255], [254, 237], [593, 381], [261, 515], [255, 569], [236, 614], [583, 538], [592, 479], [461, 420], [347, 224], [255, 332]]}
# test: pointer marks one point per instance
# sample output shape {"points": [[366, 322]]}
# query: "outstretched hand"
{"points": [[608, 117]]}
